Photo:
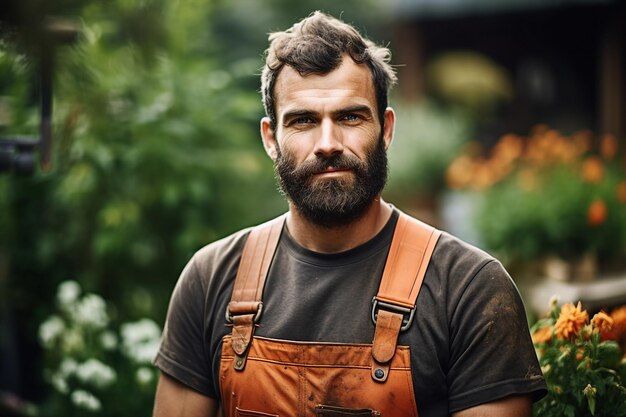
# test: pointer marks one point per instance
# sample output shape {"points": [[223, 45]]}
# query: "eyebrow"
{"points": [[298, 113], [359, 108]]}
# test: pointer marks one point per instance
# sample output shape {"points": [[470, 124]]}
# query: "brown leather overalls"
{"points": [[268, 377]]}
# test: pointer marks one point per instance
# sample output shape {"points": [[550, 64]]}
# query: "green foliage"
{"points": [[530, 223], [425, 141], [549, 195], [156, 153]]}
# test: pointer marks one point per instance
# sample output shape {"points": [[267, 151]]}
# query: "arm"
{"points": [[493, 367], [174, 399], [185, 387], [512, 406]]}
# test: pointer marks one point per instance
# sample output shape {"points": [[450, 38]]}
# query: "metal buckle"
{"points": [[257, 315], [406, 322]]}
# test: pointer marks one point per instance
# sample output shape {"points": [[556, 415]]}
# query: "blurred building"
{"points": [[517, 62]]}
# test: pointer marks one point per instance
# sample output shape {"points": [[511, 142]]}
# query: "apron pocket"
{"points": [[247, 413], [332, 411]]}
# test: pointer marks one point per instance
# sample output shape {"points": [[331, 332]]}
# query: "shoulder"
{"points": [[454, 262], [477, 284], [450, 253], [221, 258], [456, 253], [211, 265], [467, 274], [221, 250], [463, 263]]}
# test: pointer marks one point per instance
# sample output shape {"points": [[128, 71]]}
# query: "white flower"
{"points": [[50, 330], [73, 341], [59, 383], [140, 331], [108, 340], [94, 372], [140, 340], [144, 375], [86, 400], [67, 367], [91, 311], [68, 292], [143, 352]]}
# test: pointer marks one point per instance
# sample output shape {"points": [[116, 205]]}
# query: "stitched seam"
{"points": [[488, 386], [296, 364], [409, 381], [419, 269]]}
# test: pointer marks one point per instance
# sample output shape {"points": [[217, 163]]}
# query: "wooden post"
{"points": [[611, 73], [409, 56]]}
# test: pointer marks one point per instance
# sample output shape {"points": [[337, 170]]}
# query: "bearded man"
{"points": [[344, 305]]}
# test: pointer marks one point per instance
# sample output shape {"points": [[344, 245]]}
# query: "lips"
{"points": [[327, 166], [332, 170]]}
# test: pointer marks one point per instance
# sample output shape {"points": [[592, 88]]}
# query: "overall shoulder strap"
{"points": [[411, 248], [394, 306], [246, 304]]}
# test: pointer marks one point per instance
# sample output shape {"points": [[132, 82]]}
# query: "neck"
{"points": [[338, 239]]}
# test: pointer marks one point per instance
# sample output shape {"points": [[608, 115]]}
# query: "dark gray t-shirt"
{"points": [[469, 341]]}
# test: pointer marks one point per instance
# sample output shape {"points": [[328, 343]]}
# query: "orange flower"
{"points": [[543, 335], [483, 175], [608, 146], [619, 323], [582, 141], [459, 172], [509, 148], [593, 170], [597, 213], [571, 321], [602, 322], [621, 192]]}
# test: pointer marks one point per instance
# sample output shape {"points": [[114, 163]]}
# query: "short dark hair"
{"points": [[316, 45]]}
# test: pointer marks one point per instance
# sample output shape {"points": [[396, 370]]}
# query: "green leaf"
{"points": [[621, 370], [583, 364], [591, 402], [609, 354]]}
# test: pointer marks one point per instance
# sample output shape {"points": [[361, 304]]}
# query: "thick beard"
{"points": [[333, 202]]}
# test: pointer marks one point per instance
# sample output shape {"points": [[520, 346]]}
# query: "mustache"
{"points": [[319, 164]]}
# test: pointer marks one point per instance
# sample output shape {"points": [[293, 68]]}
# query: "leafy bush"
{"points": [[156, 153], [582, 361], [548, 194]]}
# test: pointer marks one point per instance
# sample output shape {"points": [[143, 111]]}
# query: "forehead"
{"points": [[347, 85]]}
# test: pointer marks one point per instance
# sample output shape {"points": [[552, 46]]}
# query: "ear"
{"points": [[389, 126], [269, 139]]}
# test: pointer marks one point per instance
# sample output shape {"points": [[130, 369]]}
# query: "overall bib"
{"points": [[267, 377]]}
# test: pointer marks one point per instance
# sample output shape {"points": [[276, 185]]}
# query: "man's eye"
{"points": [[351, 117], [302, 120]]}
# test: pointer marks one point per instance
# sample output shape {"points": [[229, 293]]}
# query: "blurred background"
{"points": [[129, 139]]}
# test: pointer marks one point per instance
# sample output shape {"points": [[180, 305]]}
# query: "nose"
{"points": [[329, 142]]}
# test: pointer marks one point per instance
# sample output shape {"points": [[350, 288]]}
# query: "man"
{"points": [[312, 342]]}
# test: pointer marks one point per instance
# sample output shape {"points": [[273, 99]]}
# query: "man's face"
{"points": [[328, 145], [333, 201]]}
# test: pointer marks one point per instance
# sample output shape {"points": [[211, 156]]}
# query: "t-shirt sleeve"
{"points": [[492, 355], [182, 353]]}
